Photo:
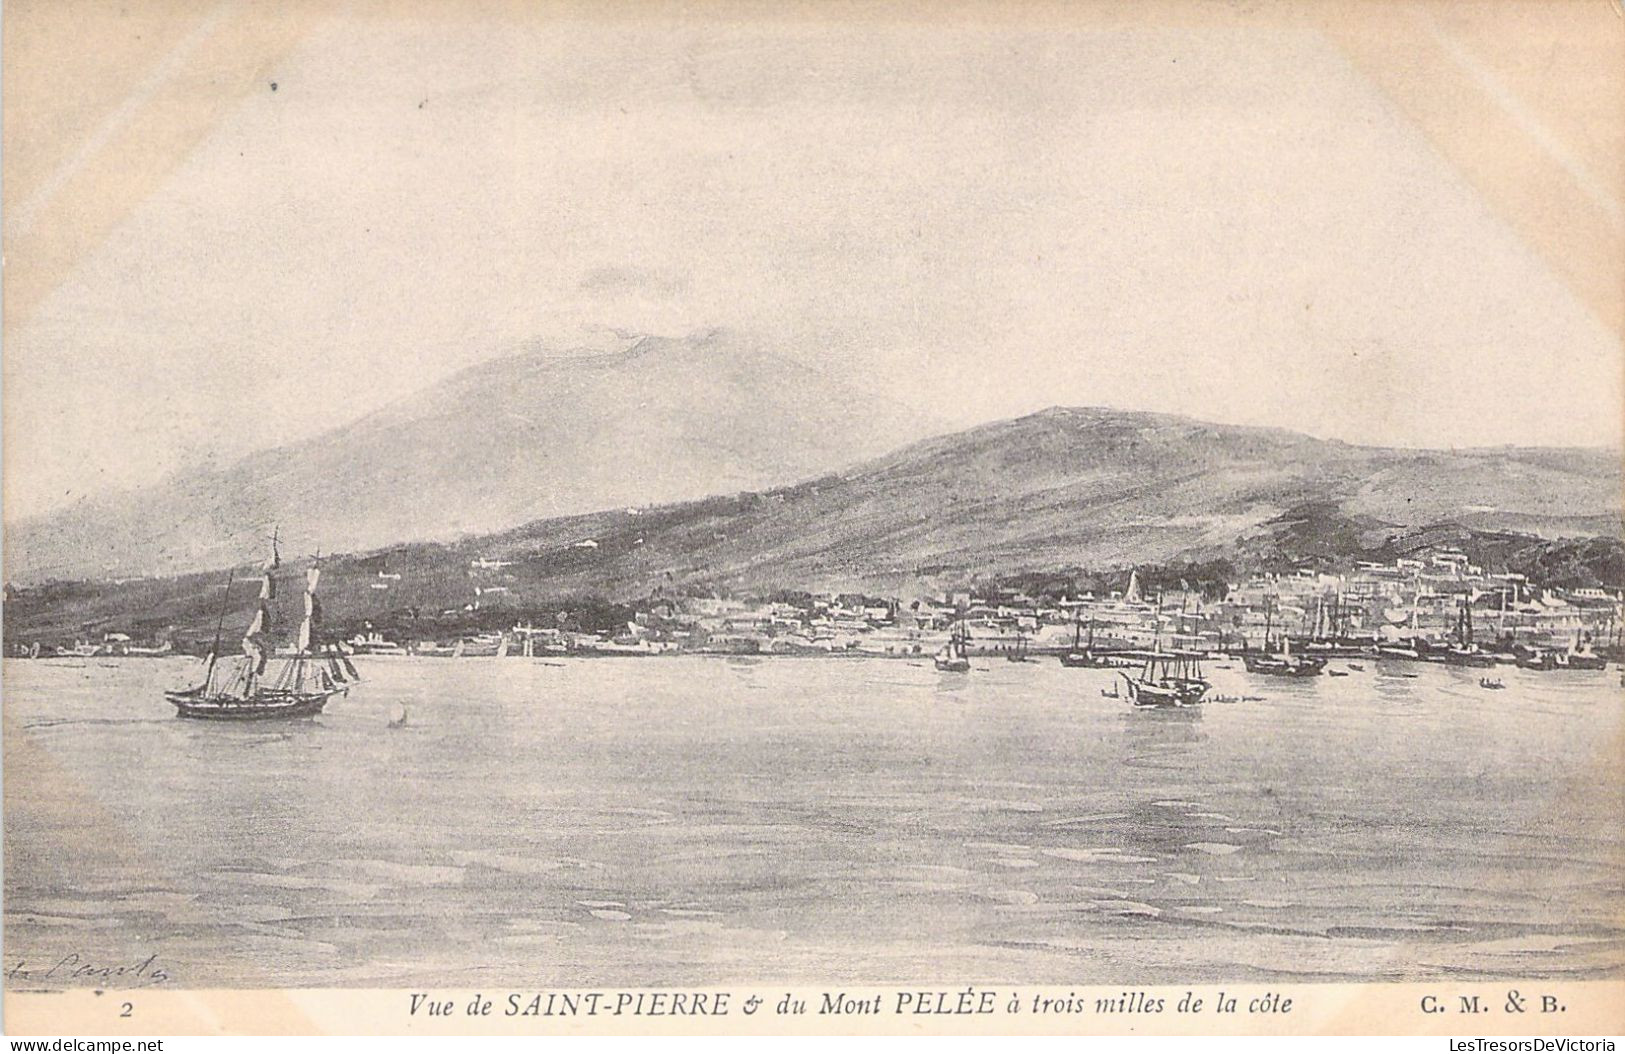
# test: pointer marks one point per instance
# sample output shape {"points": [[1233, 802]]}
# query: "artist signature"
{"points": [[76, 967]]}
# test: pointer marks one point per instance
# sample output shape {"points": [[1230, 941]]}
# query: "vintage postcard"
{"points": [[745, 517]]}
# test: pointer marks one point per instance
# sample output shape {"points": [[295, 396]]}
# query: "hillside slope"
{"points": [[503, 443], [1065, 488]]}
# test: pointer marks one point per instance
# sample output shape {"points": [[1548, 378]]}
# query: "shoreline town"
{"points": [[1438, 608]]}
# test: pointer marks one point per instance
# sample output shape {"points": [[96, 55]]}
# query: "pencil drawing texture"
{"points": [[1102, 496]]}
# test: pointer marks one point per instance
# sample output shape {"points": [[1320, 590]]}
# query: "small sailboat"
{"points": [[955, 655], [1018, 650], [1166, 679], [249, 687]]}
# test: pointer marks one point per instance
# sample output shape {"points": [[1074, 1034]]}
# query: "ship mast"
{"points": [[299, 688], [219, 629]]}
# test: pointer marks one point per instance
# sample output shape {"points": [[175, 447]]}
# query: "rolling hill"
{"points": [[1064, 488]]}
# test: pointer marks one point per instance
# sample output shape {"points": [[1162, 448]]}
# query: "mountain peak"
{"points": [[543, 433]]}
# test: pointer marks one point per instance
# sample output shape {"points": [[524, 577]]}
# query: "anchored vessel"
{"points": [[1330, 638], [1166, 679], [253, 686], [1083, 653], [955, 655], [1577, 657], [1465, 650], [1284, 664]]}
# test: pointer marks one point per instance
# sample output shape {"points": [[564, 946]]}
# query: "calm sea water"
{"points": [[686, 820]]}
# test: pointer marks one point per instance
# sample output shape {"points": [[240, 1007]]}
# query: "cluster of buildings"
{"points": [[1435, 599], [1438, 599]]}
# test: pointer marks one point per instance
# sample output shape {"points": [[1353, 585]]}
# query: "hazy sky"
{"points": [[1278, 220]]}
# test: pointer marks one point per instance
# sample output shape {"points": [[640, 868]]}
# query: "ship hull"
{"points": [[1273, 666], [268, 706], [1476, 659], [1088, 660], [1332, 650], [1169, 694], [1551, 661]]}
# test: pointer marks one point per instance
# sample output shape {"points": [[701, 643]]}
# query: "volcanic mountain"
{"points": [[509, 441]]}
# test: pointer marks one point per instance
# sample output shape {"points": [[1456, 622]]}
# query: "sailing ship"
{"points": [[1399, 649], [1465, 651], [1330, 637], [254, 686], [1284, 664], [1408, 647], [1577, 657], [1166, 679], [1018, 650], [1083, 653], [955, 655], [1581, 657]]}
